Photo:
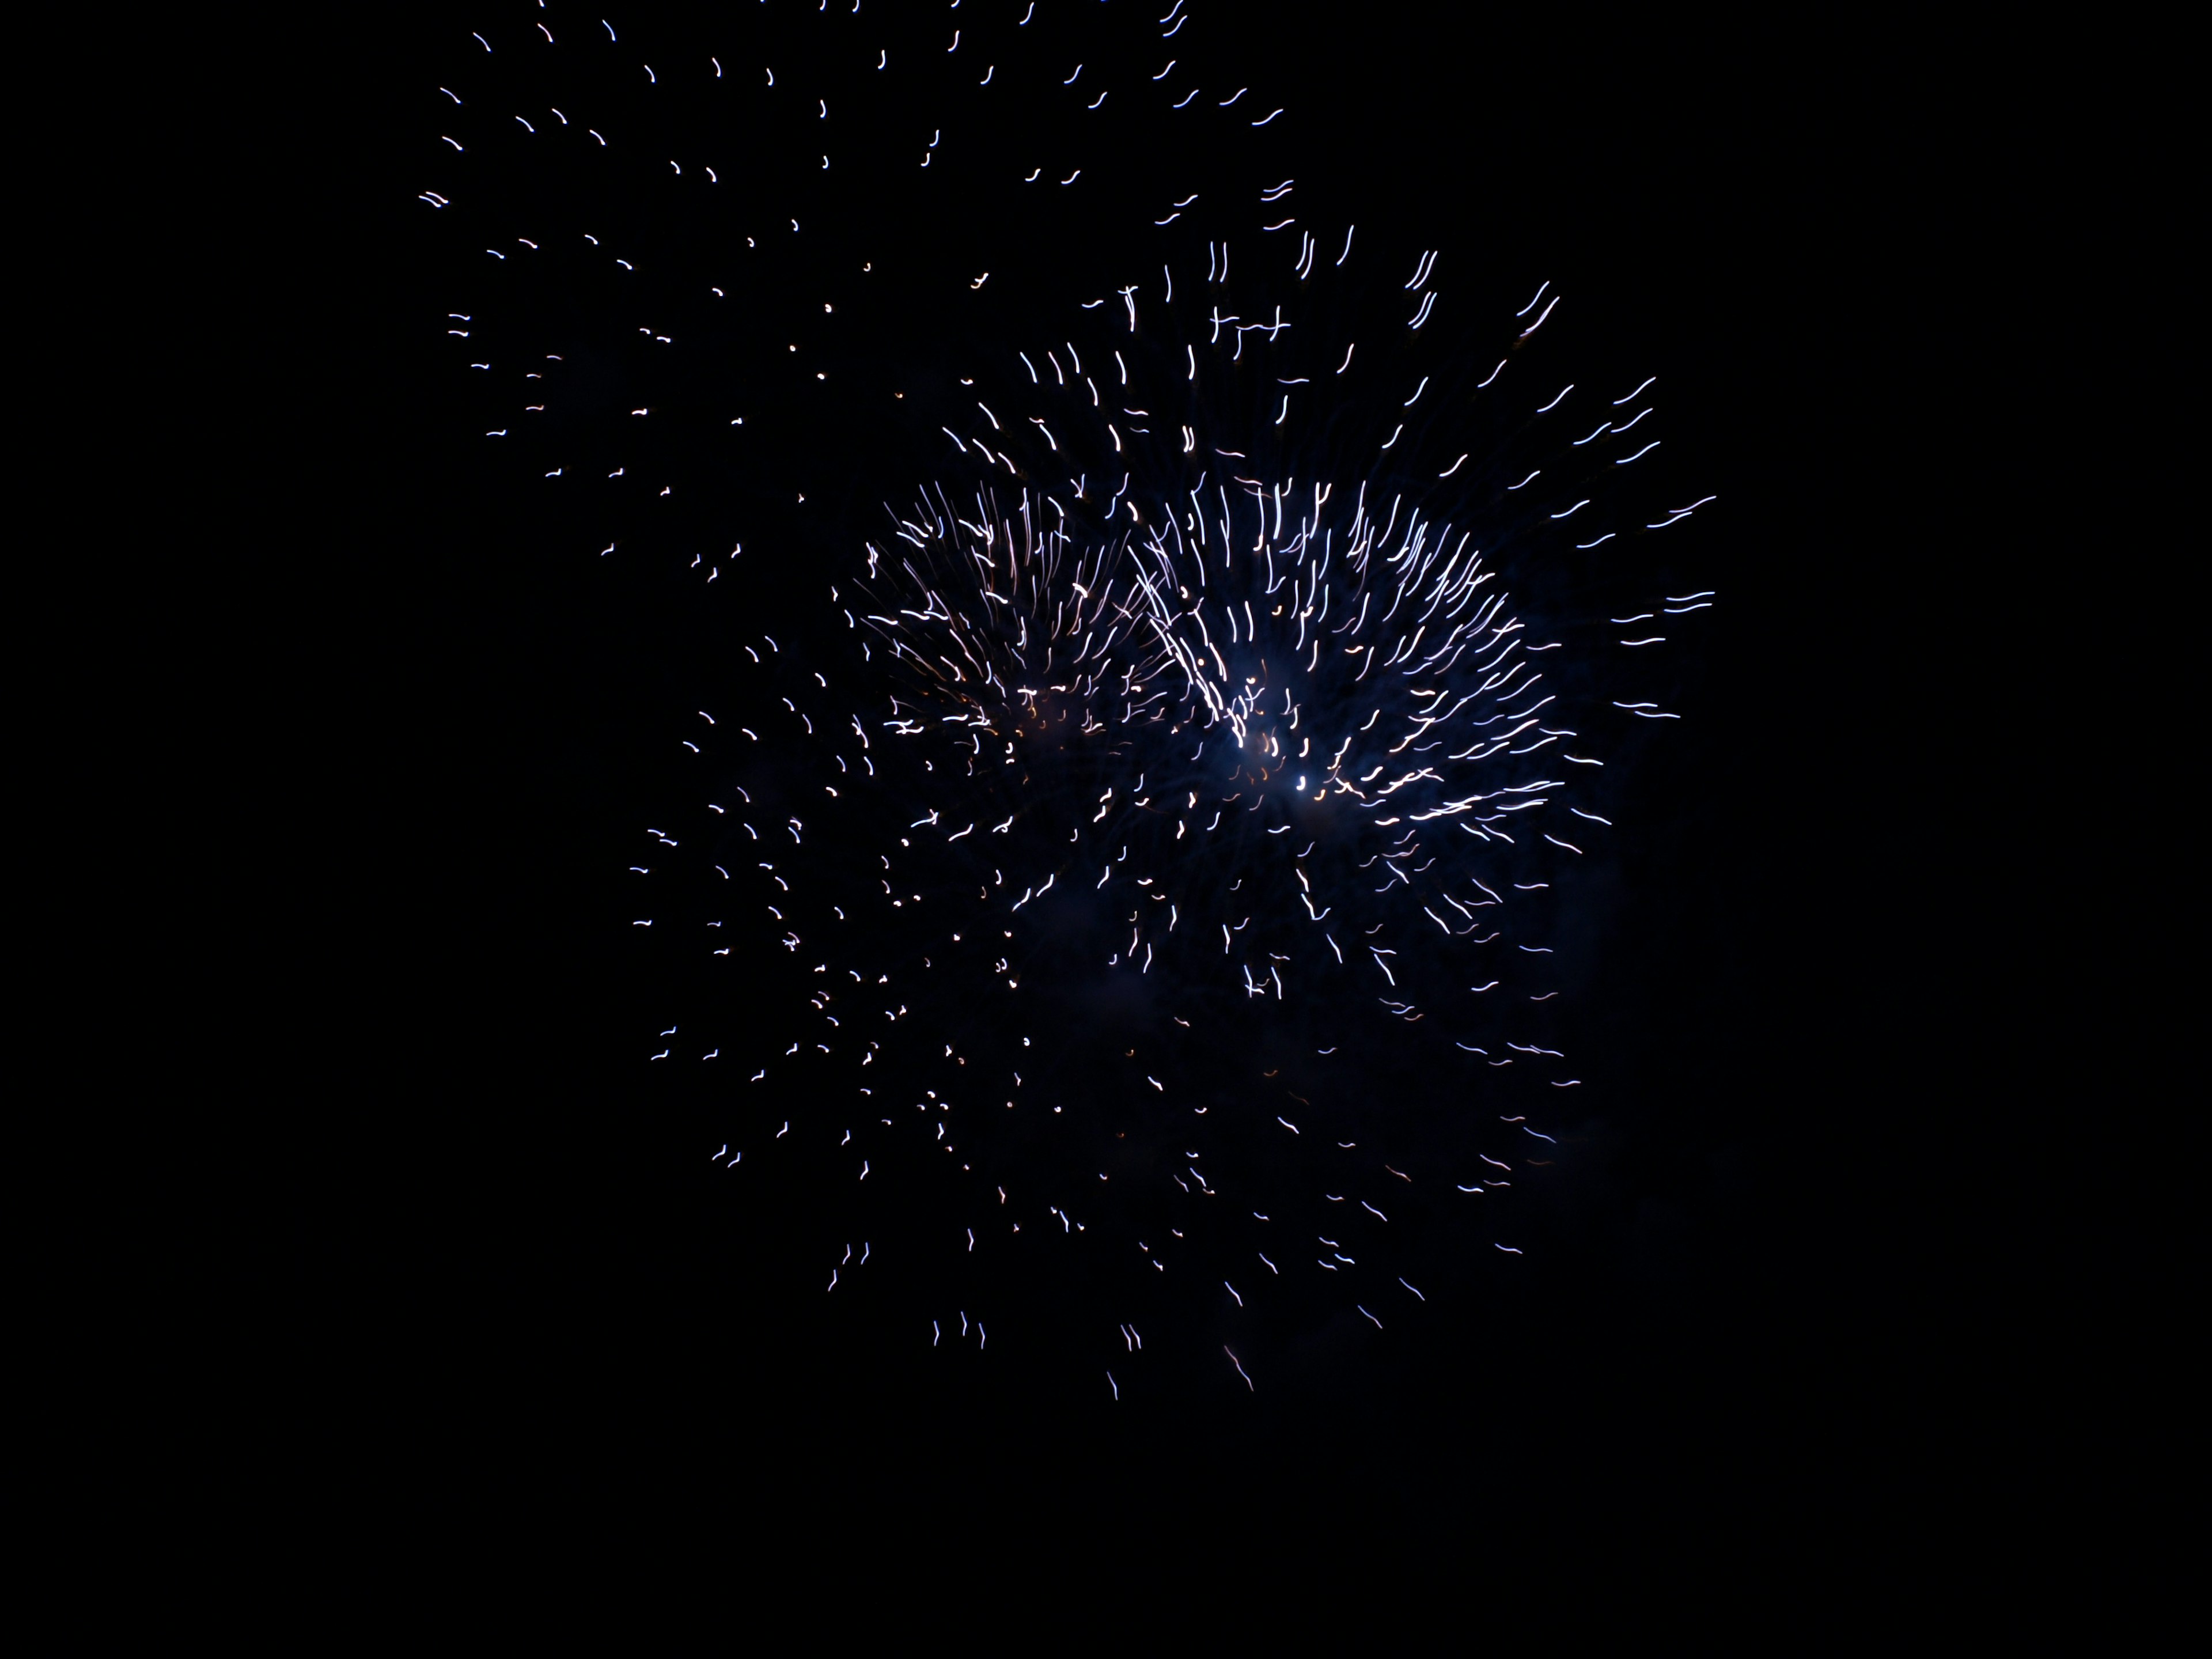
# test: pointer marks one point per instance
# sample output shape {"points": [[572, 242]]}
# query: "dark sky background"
{"points": [[541, 1299]]}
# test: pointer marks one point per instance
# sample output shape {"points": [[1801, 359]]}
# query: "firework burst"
{"points": [[1129, 908]]}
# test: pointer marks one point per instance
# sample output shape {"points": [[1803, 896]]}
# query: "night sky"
{"points": [[555, 1286]]}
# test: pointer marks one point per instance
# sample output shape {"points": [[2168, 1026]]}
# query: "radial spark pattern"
{"points": [[1130, 906]]}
